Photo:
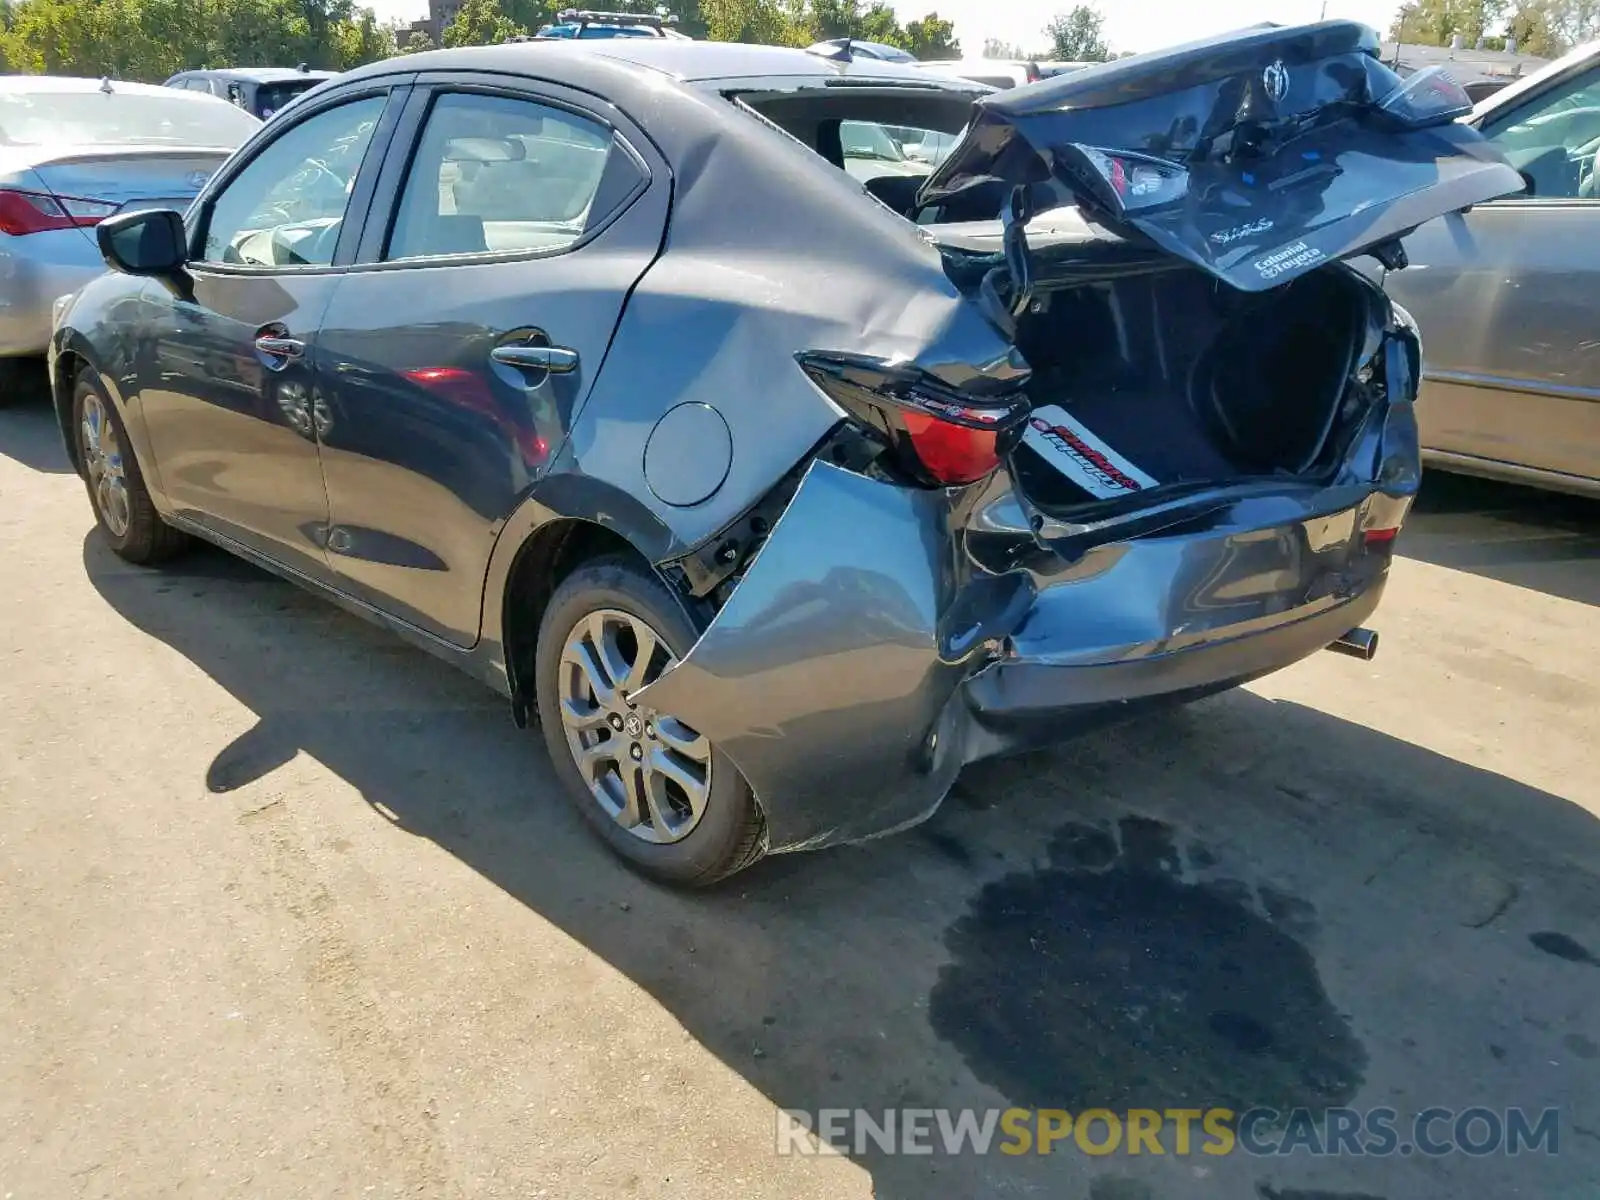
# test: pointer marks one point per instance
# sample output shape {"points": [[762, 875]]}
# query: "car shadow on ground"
{"points": [[1242, 903], [30, 435], [1545, 541]]}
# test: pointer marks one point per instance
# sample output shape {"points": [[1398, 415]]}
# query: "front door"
{"points": [[228, 387], [494, 269], [1506, 297]]}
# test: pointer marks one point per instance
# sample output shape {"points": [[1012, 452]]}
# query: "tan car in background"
{"points": [[1507, 296]]}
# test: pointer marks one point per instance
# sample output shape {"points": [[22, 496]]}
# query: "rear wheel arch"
{"points": [[569, 519], [546, 557]]}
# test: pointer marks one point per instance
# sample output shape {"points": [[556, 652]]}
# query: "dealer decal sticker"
{"points": [[1290, 258], [1068, 446]]}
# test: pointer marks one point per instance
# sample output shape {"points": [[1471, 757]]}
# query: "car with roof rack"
{"points": [[576, 23]]}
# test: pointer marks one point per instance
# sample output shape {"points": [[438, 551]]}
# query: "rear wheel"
{"points": [[122, 505], [659, 794]]}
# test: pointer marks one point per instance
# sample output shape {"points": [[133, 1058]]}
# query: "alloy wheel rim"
{"points": [[102, 456], [647, 770]]}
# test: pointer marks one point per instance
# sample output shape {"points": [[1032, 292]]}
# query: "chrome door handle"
{"points": [[280, 347], [558, 360]]}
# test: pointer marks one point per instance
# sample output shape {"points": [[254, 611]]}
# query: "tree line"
{"points": [[1547, 28], [150, 40]]}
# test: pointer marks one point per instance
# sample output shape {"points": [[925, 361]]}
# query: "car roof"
{"points": [[259, 74], [689, 61], [23, 84]]}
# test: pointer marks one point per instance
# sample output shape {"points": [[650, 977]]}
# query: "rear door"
{"points": [[512, 220], [1508, 296]]}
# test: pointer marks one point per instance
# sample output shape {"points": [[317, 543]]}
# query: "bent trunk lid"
{"points": [[1256, 156]]}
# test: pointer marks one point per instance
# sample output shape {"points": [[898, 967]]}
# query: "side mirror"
{"points": [[152, 242], [1527, 182]]}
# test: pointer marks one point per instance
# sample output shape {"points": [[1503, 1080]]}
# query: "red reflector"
{"points": [[1376, 537], [951, 453]]}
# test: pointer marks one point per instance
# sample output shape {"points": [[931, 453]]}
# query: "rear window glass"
{"points": [[270, 97], [127, 118]]}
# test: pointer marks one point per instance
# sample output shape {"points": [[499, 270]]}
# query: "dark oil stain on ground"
{"points": [[1563, 947], [1267, 1192], [1105, 979]]}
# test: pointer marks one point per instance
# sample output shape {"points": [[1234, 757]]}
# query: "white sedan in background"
{"points": [[73, 152]]}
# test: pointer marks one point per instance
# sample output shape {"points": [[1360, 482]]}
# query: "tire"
{"points": [[129, 522], [689, 846]]}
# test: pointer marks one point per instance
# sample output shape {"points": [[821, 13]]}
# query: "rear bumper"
{"points": [[885, 637], [34, 271], [1019, 703]]}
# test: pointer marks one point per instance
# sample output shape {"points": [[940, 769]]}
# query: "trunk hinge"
{"points": [[1018, 212], [1005, 311]]}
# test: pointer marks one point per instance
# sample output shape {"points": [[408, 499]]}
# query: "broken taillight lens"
{"points": [[951, 454], [939, 436], [1126, 182]]}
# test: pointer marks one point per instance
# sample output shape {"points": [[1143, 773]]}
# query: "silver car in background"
{"points": [[1507, 295], [73, 152]]}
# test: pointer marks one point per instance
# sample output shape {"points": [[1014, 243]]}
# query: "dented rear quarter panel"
{"points": [[884, 637], [719, 317]]}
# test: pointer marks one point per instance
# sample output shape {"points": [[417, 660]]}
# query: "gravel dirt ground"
{"points": [[288, 909]]}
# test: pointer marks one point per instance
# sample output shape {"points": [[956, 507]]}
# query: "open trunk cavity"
{"points": [[1189, 381]]}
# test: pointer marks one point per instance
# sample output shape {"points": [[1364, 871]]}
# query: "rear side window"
{"points": [[497, 174]]}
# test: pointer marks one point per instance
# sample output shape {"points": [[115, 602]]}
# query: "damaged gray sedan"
{"points": [[777, 488]]}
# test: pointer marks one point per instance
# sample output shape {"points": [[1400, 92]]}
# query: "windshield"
{"points": [[126, 118], [864, 139]]}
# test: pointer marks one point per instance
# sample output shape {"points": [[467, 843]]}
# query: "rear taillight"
{"points": [[939, 436], [951, 453], [35, 212]]}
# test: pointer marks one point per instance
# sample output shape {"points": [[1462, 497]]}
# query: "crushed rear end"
{"points": [[1179, 461]]}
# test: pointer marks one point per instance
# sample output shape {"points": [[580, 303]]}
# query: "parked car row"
{"points": [[74, 152], [1508, 295], [485, 345]]}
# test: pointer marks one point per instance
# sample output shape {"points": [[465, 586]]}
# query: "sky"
{"points": [[1130, 24]]}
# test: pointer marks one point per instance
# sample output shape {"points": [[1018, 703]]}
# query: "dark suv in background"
{"points": [[260, 91]]}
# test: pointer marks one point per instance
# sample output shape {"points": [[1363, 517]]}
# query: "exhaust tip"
{"points": [[1358, 643]]}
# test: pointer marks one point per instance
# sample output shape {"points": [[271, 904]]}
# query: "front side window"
{"points": [[286, 207], [494, 174], [1554, 140]]}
